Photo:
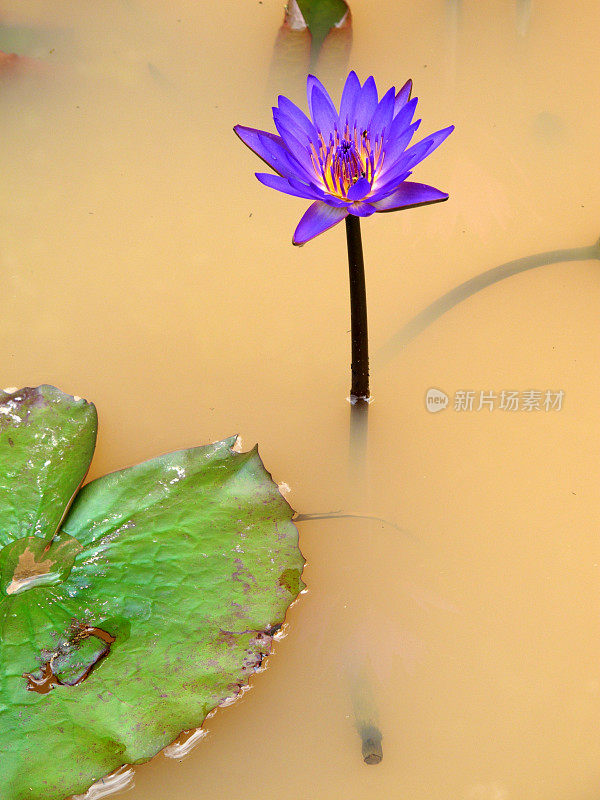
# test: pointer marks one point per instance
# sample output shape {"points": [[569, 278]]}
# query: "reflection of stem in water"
{"points": [[452, 298], [453, 15], [363, 704], [366, 716], [523, 14], [372, 750], [359, 431]]}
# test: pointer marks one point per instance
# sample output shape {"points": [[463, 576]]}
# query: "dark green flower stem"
{"points": [[358, 312]]}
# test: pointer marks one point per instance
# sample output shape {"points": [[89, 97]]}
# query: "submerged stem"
{"points": [[358, 312]]}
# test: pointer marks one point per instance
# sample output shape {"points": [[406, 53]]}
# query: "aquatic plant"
{"points": [[351, 163], [129, 608], [321, 16], [314, 35]]}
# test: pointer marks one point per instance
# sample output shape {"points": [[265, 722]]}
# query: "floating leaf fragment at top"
{"points": [[320, 17]]}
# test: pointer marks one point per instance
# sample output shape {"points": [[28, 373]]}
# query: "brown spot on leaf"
{"points": [[49, 678], [290, 580], [27, 570]]}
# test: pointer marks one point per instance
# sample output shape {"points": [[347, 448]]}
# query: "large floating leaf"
{"points": [[153, 605]]}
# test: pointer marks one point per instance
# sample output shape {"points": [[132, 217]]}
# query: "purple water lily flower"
{"points": [[354, 162]]}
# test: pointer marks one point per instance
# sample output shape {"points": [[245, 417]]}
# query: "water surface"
{"points": [[143, 267]]}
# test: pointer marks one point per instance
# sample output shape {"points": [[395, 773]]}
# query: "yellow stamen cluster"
{"points": [[341, 161]]}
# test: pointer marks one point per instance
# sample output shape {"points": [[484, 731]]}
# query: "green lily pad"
{"points": [[153, 604]]}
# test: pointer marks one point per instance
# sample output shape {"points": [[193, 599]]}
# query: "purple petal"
{"points": [[358, 190], [324, 113], [405, 161], [402, 120], [390, 186], [271, 149], [318, 218], [382, 117], [433, 141], [365, 105], [410, 194], [382, 188], [313, 83], [297, 189], [330, 199], [439, 136], [394, 150], [254, 138], [299, 118], [362, 209], [388, 178], [286, 125], [349, 95], [295, 141], [403, 96], [318, 192]]}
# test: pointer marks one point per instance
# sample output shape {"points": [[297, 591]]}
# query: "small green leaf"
{"points": [[153, 605], [321, 16]]}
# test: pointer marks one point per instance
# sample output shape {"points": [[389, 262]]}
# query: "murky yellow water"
{"points": [[144, 268]]}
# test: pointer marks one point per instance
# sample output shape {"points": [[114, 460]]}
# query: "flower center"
{"points": [[343, 160], [347, 162]]}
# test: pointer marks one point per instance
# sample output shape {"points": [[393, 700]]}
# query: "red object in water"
{"points": [[13, 64]]}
